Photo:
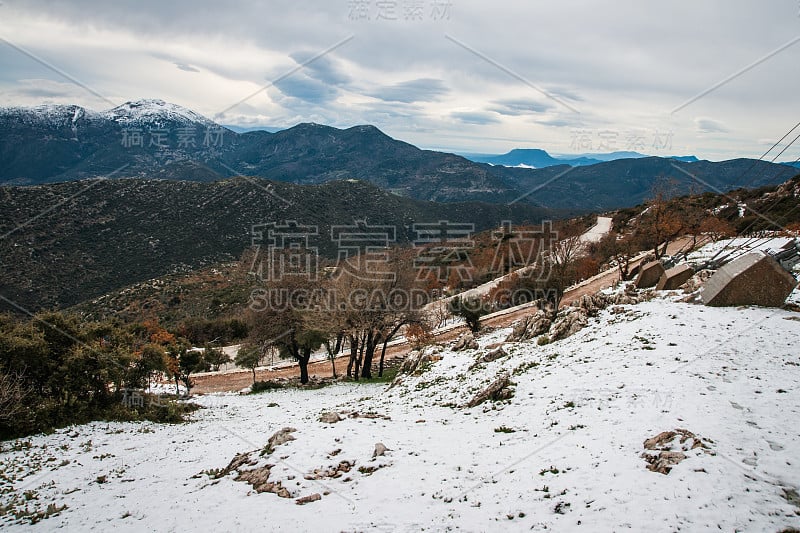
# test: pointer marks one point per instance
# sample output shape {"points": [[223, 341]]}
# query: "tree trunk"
{"points": [[303, 362], [383, 350], [383, 354], [353, 355], [369, 352], [254, 375]]}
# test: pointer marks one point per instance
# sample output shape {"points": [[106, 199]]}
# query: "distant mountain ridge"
{"points": [[538, 158], [155, 139]]}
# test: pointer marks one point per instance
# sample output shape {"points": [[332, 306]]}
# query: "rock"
{"points": [[695, 282], [649, 275], [239, 460], [752, 279], [494, 355], [592, 304], [258, 478], [308, 499], [414, 361], [674, 277], [330, 418], [670, 446], [380, 449], [465, 342], [335, 472], [569, 322], [498, 390], [664, 461], [530, 327], [280, 437]]}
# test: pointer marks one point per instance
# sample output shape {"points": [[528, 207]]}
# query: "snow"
{"points": [[51, 115], [147, 112], [581, 412], [733, 248], [153, 112]]}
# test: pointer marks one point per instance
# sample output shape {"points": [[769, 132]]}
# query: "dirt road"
{"points": [[234, 381]]}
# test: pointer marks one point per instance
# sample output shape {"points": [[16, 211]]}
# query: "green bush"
{"points": [[262, 386]]}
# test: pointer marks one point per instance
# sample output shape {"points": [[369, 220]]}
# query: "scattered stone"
{"points": [[308, 499], [280, 437], [356, 414], [465, 342], [330, 418], [752, 279], [649, 275], [493, 355], [673, 278], [499, 389], [670, 447], [380, 449], [332, 472]]}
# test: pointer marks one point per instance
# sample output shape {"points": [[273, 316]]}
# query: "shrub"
{"points": [[262, 386]]}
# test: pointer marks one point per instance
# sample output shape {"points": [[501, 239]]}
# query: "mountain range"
{"points": [[156, 139], [538, 158]]}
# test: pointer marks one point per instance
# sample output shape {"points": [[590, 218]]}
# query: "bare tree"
{"points": [[13, 393]]}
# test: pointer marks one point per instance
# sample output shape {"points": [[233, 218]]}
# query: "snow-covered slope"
{"points": [[142, 113], [154, 112], [49, 115], [564, 454]]}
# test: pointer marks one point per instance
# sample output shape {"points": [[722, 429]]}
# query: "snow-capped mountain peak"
{"points": [[154, 112]]}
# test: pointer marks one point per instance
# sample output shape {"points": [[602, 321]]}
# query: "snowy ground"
{"points": [[564, 454], [730, 249]]}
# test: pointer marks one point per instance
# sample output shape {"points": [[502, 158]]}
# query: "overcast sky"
{"points": [[468, 76]]}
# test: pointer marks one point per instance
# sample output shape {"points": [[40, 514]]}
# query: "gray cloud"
{"points": [[626, 64], [323, 69], [708, 125], [186, 68], [519, 107], [419, 90], [475, 117], [307, 89]]}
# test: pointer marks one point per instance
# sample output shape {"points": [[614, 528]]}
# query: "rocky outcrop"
{"points": [[568, 322], [416, 361], [530, 327], [493, 355], [465, 342], [499, 389], [669, 448], [571, 319], [279, 437]]}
